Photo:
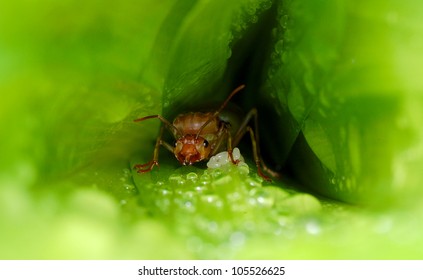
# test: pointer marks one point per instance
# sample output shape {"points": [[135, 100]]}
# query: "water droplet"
{"points": [[209, 198], [228, 52], [253, 183], [313, 227], [284, 57], [251, 11], [276, 193], [222, 180], [200, 189], [252, 201], [212, 199], [176, 179], [164, 192], [129, 187], [266, 5], [243, 168], [278, 231], [205, 178], [195, 244], [302, 204], [264, 199], [188, 195], [216, 173], [279, 46], [282, 221], [163, 204], [126, 171], [192, 176], [237, 239], [284, 21], [212, 226], [178, 191], [250, 226], [240, 207], [188, 206], [233, 197]]}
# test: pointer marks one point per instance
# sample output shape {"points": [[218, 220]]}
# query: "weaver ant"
{"points": [[201, 135]]}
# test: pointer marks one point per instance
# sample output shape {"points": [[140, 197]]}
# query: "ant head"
{"points": [[190, 149]]}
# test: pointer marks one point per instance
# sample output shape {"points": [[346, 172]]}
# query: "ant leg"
{"points": [[229, 147], [147, 167], [256, 155], [255, 144], [217, 112], [222, 134], [168, 124]]}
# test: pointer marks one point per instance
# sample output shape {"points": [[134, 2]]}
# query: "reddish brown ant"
{"points": [[200, 136]]}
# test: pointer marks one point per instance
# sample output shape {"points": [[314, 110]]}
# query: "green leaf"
{"points": [[337, 86]]}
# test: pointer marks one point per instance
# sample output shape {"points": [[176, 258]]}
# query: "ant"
{"points": [[201, 135]]}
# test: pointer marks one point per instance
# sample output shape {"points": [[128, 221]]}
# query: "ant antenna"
{"points": [[169, 125], [235, 91]]}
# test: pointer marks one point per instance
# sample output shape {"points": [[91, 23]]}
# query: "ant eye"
{"points": [[175, 144], [205, 143]]}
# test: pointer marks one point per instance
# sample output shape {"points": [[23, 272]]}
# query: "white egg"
{"points": [[222, 159]]}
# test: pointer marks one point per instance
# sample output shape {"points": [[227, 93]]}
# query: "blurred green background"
{"points": [[339, 92]]}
